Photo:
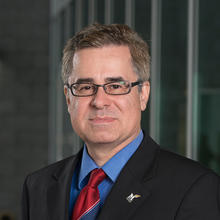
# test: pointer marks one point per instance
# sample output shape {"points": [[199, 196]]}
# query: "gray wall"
{"points": [[24, 30]]}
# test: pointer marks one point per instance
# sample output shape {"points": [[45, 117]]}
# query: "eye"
{"points": [[115, 86], [85, 87], [82, 87]]}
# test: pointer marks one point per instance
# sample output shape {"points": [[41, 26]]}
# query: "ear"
{"points": [[144, 95], [66, 93]]}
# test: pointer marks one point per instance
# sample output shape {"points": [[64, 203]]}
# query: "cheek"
{"points": [[131, 107], [74, 109], [134, 102], [79, 111]]}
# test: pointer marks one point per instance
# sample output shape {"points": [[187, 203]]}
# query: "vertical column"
{"points": [[78, 13], [130, 13], [92, 11], [67, 17], [155, 69], [108, 11], [52, 97], [55, 110], [192, 78]]}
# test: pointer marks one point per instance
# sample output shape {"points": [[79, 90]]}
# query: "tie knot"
{"points": [[96, 177]]}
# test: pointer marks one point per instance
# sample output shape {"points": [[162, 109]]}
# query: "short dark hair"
{"points": [[100, 35]]}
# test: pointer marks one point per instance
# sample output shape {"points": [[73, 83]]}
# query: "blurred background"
{"points": [[183, 113]]}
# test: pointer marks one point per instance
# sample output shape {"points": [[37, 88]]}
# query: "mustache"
{"points": [[102, 114]]}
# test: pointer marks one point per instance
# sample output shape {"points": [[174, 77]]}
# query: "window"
{"points": [[185, 87]]}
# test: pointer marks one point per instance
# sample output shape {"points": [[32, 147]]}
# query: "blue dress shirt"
{"points": [[112, 168]]}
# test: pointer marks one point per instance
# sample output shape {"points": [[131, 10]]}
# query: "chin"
{"points": [[101, 138]]}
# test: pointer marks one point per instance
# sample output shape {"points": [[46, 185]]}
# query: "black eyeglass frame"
{"points": [[96, 86]]}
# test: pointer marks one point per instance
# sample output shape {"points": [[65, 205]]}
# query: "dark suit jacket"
{"points": [[171, 188]]}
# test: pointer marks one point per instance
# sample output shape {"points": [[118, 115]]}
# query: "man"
{"points": [[120, 173]]}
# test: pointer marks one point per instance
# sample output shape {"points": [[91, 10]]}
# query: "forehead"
{"points": [[101, 63]]}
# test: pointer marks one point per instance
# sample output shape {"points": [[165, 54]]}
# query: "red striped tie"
{"points": [[89, 195]]}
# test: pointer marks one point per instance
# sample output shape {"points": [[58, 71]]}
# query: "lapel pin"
{"points": [[132, 196]]}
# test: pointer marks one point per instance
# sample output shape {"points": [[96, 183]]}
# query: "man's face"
{"points": [[102, 118]]}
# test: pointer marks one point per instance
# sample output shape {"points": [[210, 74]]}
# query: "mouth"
{"points": [[102, 120]]}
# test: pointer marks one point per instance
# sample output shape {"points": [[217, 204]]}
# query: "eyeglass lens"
{"points": [[113, 88]]}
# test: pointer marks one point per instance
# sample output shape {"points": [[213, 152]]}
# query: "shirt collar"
{"points": [[113, 167], [87, 165]]}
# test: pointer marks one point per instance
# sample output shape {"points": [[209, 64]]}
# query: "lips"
{"points": [[102, 120]]}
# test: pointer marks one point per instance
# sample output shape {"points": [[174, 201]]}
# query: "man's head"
{"points": [[97, 36], [107, 114]]}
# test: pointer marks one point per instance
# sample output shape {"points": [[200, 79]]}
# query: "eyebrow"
{"points": [[108, 79], [114, 79], [85, 80]]}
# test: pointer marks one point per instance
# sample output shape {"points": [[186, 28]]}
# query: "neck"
{"points": [[102, 152], [101, 156]]}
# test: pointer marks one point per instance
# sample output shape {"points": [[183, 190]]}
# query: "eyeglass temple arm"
{"points": [[136, 83]]}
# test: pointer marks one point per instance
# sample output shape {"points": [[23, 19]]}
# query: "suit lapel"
{"points": [[117, 205], [134, 179], [59, 190]]}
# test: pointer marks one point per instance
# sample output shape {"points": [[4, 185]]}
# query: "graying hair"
{"points": [[99, 35]]}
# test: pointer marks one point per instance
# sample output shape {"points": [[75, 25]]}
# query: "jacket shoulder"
{"points": [[181, 168], [55, 169]]}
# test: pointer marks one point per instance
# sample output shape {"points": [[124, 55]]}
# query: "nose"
{"points": [[100, 99]]}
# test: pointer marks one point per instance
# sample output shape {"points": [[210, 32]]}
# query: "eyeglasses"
{"points": [[111, 88]]}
